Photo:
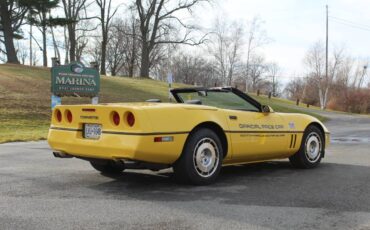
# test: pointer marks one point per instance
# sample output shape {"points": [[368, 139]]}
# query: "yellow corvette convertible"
{"points": [[205, 129]]}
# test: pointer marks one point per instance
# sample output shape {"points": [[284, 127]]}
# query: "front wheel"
{"points": [[200, 162], [311, 151], [107, 167]]}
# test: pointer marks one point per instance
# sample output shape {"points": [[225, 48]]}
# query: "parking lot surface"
{"points": [[38, 191]]}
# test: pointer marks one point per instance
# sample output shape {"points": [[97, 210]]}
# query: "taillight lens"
{"points": [[115, 117], [58, 115], [130, 119], [69, 116]]}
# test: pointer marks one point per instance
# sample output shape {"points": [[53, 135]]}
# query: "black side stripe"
{"points": [[146, 134], [66, 129], [237, 131], [295, 139], [291, 141]]}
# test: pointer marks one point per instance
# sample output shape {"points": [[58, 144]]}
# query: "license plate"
{"points": [[92, 131]]}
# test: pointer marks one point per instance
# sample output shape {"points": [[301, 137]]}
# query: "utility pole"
{"points": [[30, 44], [327, 43]]}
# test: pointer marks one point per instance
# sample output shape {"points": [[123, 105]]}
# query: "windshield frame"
{"points": [[235, 91]]}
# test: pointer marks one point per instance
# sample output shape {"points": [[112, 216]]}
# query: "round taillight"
{"points": [[116, 119], [69, 116], [58, 115], [130, 119]]}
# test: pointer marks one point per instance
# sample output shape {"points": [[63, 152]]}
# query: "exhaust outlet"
{"points": [[61, 155]]}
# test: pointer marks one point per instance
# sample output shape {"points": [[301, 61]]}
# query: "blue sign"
{"points": [[170, 78], [55, 100]]}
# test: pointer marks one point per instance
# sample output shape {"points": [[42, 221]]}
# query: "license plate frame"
{"points": [[92, 131]]}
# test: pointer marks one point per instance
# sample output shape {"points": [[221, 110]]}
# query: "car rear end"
{"points": [[111, 131]]}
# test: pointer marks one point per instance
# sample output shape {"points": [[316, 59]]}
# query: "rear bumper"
{"points": [[116, 146]]}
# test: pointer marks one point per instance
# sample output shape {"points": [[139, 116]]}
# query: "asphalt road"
{"points": [[38, 191]]}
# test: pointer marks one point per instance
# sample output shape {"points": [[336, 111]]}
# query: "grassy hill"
{"points": [[25, 99]]}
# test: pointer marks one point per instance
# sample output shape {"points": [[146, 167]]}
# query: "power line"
{"points": [[348, 13], [350, 24], [348, 21]]}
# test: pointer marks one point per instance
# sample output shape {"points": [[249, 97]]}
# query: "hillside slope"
{"points": [[25, 99]]}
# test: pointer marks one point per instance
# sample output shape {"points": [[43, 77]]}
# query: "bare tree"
{"points": [[273, 70], [82, 37], [123, 46], [55, 44], [159, 24], [35, 58], [133, 45], [256, 71], [191, 69], [227, 48], [256, 37], [360, 74], [72, 10], [94, 50], [81, 44], [2, 56], [295, 88], [2, 53], [66, 46], [315, 61], [83, 33], [22, 52], [345, 72], [106, 15], [117, 47]]}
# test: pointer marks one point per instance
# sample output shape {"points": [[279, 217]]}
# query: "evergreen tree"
{"points": [[40, 16], [12, 14]]}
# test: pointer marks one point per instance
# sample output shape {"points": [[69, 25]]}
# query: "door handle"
{"points": [[233, 117]]}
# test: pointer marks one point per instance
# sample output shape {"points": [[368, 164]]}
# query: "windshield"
{"points": [[220, 99]]}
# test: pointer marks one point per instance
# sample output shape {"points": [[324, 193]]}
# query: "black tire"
{"points": [[202, 151], [311, 150], [107, 167]]}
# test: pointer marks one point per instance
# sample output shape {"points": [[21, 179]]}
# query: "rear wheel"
{"points": [[200, 162], [311, 151], [107, 167]]}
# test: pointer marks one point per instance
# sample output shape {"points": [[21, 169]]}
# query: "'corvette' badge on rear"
{"points": [[89, 117]]}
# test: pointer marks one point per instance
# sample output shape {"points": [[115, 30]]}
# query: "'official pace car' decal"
{"points": [[257, 126]]}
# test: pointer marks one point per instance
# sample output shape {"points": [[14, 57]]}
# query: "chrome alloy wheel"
{"points": [[206, 157], [313, 147]]}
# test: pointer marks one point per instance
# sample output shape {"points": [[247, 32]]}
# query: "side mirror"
{"points": [[202, 93], [266, 109], [154, 100]]}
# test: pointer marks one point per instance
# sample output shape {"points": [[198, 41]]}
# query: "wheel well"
{"points": [[319, 126], [217, 129]]}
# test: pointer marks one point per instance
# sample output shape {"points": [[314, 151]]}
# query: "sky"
{"points": [[294, 25], [291, 25]]}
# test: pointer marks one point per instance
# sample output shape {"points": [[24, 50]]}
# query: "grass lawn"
{"points": [[285, 106], [25, 99]]}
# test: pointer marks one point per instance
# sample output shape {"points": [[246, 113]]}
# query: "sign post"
{"points": [[170, 81], [74, 80], [55, 100]]}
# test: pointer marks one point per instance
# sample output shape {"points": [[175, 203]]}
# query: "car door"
{"points": [[256, 135]]}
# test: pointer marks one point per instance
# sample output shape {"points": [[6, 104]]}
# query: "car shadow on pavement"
{"points": [[336, 186]]}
